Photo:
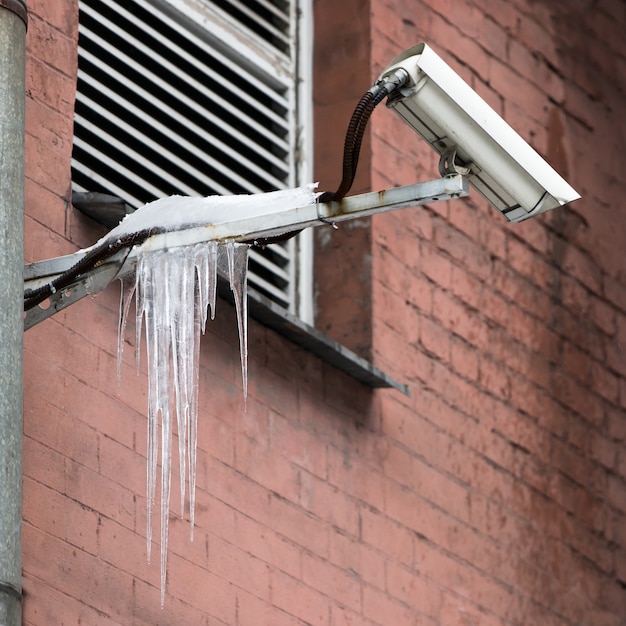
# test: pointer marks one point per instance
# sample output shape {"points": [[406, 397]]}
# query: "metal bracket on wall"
{"points": [[238, 227]]}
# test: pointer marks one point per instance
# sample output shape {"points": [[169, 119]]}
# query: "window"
{"points": [[198, 97]]}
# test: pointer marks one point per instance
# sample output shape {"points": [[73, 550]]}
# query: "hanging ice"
{"points": [[174, 290]]}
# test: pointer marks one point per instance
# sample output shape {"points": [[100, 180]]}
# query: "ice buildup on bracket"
{"points": [[174, 290]]}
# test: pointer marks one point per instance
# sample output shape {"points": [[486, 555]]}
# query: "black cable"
{"points": [[356, 131], [96, 256]]}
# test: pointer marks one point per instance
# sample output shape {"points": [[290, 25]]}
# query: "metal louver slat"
{"points": [[255, 19], [267, 264], [269, 289], [265, 18]]}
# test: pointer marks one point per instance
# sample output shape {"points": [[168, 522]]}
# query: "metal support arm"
{"points": [[238, 226]]}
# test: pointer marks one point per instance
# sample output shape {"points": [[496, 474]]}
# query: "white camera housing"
{"points": [[473, 139]]}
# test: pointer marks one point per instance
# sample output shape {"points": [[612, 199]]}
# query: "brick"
{"points": [[251, 609], [125, 550], [44, 605], [615, 358], [351, 554], [616, 425], [42, 38], [570, 462], [146, 598], [40, 243], [515, 88], [77, 574], [354, 477], [436, 266], [299, 600], [407, 585], [462, 248], [328, 503], [527, 262], [605, 317], [262, 542], [535, 31], [216, 437], [106, 414], [386, 535], [574, 296], [240, 568], [464, 358], [615, 292], [343, 586], [568, 392], [459, 319], [434, 339], [298, 526], [45, 207], [383, 609], [43, 464], [526, 296], [415, 290], [100, 493], [125, 466], [200, 588], [273, 472], [605, 383], [467, 287], [60, 516], [307, 371], [68, 436], [395, 313], [401, 360], [340, 616], [494, 378], [577, 362], [62, 16], [581, 266], [579, 333], [617, 492], [51, 87]]}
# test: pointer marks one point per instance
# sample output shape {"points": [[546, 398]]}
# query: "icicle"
{"points": [[127, 290], [174, 291], [144, 304], [238, 276], [206, 266], [192, 434]]}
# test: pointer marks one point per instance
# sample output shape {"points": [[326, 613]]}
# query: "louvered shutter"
{"points": [[196, 103]]}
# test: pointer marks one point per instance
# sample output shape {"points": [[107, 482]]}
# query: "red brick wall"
{"points": [[495, 495], [512, 444]]}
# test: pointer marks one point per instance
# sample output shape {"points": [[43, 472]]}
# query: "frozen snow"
{"points": [[179, 212], [174, 291]]}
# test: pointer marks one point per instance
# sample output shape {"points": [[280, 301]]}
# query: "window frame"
{"points": [[290, 70]]}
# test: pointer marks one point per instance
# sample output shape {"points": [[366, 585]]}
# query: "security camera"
{"points": [[471, 138]]}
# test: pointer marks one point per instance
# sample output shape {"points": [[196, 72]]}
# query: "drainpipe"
{"points": [[13, 18]]}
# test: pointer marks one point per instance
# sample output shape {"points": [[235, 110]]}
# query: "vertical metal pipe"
{"points": [[13, 16]]}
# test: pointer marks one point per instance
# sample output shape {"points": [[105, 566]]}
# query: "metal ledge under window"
{"points": [[108, 211]]}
